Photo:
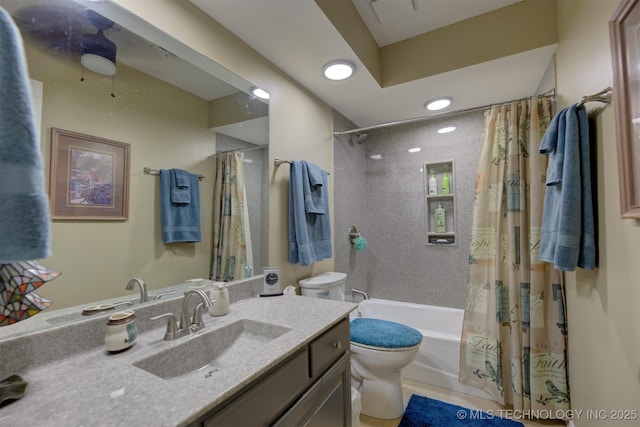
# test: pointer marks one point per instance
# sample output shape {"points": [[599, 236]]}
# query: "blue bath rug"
{"points": [[424, 412]]}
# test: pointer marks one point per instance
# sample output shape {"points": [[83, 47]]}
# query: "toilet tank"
{"points": [[326, 285]]}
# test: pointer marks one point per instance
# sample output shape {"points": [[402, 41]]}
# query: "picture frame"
{"points": [[88, 177], [624, 30]]}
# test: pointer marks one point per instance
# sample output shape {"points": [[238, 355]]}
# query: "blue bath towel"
{"points": [[314, 189], [24, 205], [309, 234], [180, 221], [180, 191], [568, 229]]}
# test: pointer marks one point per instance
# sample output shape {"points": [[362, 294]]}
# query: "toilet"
{"points": [[326, 285], [379, 350]]}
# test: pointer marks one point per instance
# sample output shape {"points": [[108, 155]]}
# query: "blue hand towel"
{"points": [[24, 205], [309, 234], [568, 238], [314, 189], [180, 191], [180, 221]]}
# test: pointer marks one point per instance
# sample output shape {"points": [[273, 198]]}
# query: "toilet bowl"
{"points": [[379, 351]]}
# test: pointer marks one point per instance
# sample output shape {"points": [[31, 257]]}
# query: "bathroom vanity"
{"points": [[313, 387], [271, 361]]}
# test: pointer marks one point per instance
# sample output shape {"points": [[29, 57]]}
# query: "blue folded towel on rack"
{"points": [[180, 221], [568, 228], [309, 234], [24, 204], [314, 189], [180, 191]]}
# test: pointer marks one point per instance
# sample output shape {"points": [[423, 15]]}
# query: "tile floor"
{"points": [[460, 399]]}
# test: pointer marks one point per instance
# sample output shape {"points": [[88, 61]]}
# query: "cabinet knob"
{"points": [[337, 345]]}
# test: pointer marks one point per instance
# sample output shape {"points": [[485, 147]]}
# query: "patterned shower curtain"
{"points": [[231, 232], [514, 338]]}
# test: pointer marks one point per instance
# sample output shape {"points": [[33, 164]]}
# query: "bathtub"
{"points": [[437, 362]]}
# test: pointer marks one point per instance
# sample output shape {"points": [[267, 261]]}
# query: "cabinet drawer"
{"points": [[266, 401], [327, 348]]}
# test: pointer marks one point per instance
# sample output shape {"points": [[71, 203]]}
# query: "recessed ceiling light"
{"points": [[260, 93], [415, 150], [438, 103], [376, 156], [447, 129], [338, 70]]}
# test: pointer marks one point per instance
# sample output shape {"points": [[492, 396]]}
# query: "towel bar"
{"points": [[149, 171]]}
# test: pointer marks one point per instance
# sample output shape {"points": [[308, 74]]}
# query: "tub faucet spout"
{"points": [[143, 288], [359, 292]]}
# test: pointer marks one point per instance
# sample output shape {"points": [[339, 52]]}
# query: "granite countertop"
{"points": [[98, 388]]}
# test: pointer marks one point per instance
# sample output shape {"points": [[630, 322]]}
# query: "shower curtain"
{"points": [[231, 232], [514, 338]]}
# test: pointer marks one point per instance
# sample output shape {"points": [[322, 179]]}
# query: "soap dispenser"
{"points": [[446, 185], [440, 217], [433, 185], [220, 299]]}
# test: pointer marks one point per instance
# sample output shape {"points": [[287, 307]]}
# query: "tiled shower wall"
{"points": [[385, 200]]}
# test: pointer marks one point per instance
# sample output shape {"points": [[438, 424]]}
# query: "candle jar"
{"points": [[121, 331]]}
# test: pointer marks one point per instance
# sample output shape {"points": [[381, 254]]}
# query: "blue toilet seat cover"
{"points": [[383, 333]]}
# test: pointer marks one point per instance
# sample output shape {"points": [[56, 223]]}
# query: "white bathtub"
{"points": [[437, 362]]}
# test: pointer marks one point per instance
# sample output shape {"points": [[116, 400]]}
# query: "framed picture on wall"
{"points": [[624, 29], [89, 177]]}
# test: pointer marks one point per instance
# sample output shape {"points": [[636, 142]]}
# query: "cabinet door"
{"points": [[267, 400], [326, 403]]}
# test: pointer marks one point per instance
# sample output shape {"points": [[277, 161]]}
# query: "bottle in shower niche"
{"points": [[440, 219], [446, 185], [433, 185]]}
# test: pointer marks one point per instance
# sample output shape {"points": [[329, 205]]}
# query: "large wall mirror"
{"points": [[176, 109]]}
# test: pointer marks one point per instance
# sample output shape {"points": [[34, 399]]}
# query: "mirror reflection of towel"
{"points": [[180, 221], [180, 191]]}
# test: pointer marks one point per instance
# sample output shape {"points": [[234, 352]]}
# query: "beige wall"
{"points": [[165, 127], [300, 125], [603, 305]]}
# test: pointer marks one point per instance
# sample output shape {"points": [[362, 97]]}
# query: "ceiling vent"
{"points": [[387, 10]]}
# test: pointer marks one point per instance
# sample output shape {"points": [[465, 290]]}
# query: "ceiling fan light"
{"points": [[98, 54], [338, 70], [98, 64]]}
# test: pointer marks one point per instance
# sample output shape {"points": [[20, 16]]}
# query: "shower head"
{"points": [[359, 138]]}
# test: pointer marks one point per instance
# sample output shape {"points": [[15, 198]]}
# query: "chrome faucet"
{"points": [[143, 288], [188, 324], [195, 322]]}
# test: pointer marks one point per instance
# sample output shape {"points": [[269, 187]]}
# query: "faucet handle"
{"points": [[172, 328], [162, 294]]}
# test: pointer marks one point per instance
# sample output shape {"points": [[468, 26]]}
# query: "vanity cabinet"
{"points": [[310, 388], [445, 235]]}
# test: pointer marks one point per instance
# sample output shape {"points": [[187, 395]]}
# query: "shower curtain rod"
{"points": [[243, 149], [550, 93]]}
